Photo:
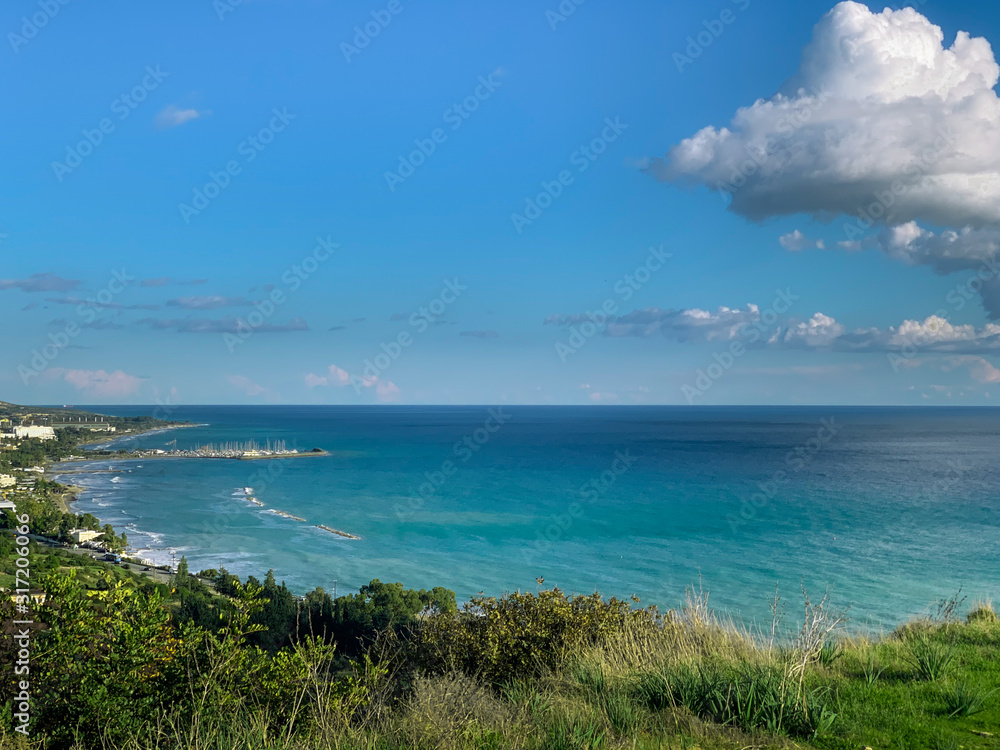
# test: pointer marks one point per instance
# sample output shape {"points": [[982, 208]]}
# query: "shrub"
{"points": [[521, 635]]}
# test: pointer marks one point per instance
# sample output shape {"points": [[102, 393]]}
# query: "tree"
{"points": [[357, 618]]}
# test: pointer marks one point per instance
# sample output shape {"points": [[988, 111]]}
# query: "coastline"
{"points": [[161, 456], [147, 545], [68, 500]]}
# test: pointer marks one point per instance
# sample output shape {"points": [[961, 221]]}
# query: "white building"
{"points": [[6, 480], [27, 432], [83, 535], [7, 505]]}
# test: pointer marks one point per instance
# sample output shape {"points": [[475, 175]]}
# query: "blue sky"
{"points": [[315, 276]]}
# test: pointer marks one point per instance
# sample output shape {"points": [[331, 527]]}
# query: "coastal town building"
{"points": [[29, 432], [92, 426], [7, 505], [6, 480], [84, 535]]}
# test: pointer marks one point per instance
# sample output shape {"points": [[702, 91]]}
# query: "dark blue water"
{"points": [[891, 508]]}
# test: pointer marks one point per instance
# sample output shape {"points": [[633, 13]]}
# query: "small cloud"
{"points": [[29, 306], [228, 324], [335, 376], [387, 392], [161, 281], [100, 383], [172, 116], [76, 301], [252, 389], [796, 242], [604, 398], [337, 328], [208, 302], [980, 369], [480, 334], [41, 282]]}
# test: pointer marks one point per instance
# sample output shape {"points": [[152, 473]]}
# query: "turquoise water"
{"points": [[892, 509]]}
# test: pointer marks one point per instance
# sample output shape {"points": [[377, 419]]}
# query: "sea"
{"points": [[886, 510]]}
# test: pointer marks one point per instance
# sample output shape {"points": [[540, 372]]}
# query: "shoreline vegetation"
{"points": [[211, 661], [127, 659]]}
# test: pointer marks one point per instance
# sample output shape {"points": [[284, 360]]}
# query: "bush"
{"points": [[522, 635]]}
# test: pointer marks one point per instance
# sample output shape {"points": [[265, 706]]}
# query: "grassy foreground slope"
{"points": [[119, 665]]}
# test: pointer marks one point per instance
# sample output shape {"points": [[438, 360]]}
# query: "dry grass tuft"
{"points": [[454, 710]]}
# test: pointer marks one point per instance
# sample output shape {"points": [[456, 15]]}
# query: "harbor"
{"points": [[238, 451]]}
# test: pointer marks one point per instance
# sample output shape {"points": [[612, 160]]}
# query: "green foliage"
{"points": [[522, 634], [354, 621], [871, 671], [751, 696], [931, 658], [829, 653], [965, 700], [576, 734], [100, 665], [984, 613]]}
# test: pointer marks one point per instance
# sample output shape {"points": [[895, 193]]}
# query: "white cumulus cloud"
{"points": [[879, 106]]}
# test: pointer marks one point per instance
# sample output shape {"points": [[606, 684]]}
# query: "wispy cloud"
{"points": [[161, 281], [252, 389], [98, 305], [173, 116], [100, 383], [208, 302], [41, 282], [691, 324], [481, 334], [229, 324]]}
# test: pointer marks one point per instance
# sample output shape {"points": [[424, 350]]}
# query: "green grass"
{"points": [[691, 683]]}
